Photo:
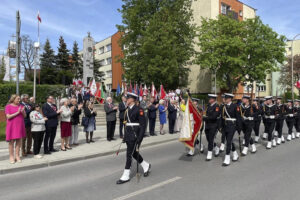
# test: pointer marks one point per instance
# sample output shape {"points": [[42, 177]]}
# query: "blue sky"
{"points": [[74, 18]]}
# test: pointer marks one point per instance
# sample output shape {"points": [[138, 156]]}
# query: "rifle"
{"points": [[240, 143], [138, 174]]}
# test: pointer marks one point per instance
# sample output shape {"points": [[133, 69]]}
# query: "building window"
{"points": [[241, 13], [224, 8], [247, 88], [101, 50], [108, 47], [109, 74], [261, 88], [108, 61], [102, 62]]}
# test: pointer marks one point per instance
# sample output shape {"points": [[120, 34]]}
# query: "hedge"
{"points": [[42, 91]]}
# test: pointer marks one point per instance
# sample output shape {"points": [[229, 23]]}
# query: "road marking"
{"points": [[148, 188]]}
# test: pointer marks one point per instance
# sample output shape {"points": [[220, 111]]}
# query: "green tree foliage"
{"points": [[77, 64], [286, 72], [158, 36], [48, 68], [2, 69], [239, 52], [63, 63]]}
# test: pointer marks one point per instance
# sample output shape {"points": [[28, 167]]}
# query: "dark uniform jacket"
{"points": [[232, 111], [212, 114], [289, 112], [50, 113], [297, 112], [122, 108], [133, 133], [269, 111], [248, 111], [280, 111], [172, 111]]}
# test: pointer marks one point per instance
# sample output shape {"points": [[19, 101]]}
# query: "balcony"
{"points": [[232, 14]]}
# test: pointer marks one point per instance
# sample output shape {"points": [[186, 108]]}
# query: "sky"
{"points": [[74, 18]]}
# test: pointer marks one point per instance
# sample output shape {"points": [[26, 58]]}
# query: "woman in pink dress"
{"points": [[15, 127]]}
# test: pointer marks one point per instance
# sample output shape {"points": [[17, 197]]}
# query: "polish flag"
{"points": [[38, 17], [153, 91], [162, 92], [141, 91], [145, 92], [297, 84], [130, 87]]}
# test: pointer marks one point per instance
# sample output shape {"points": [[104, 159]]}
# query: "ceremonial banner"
{"points": [[297, 85], [162, 92], [191, 125], [93, 87]]}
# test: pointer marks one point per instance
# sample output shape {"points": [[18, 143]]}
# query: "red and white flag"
{"points": [[38, 17], [135, 89], [93, 87], [145, 92], [191, 125], [297, 84], [153, 91], [162, 92], [130, 87], [141, 90]]}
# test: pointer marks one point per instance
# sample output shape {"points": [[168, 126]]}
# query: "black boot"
{"points": [[87, 137], [91, 137]]}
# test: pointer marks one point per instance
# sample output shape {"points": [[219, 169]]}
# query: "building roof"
{"points": [[247, 5]]}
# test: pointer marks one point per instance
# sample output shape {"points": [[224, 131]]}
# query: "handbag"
{"points": [[85, 121]]}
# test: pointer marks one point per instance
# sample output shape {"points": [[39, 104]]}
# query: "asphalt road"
{"points": [[268, 174]]}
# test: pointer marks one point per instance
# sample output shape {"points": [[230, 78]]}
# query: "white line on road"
{"points": [[148, 188]]}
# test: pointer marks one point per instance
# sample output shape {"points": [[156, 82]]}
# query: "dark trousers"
{"points": [[290, 124], [110, 125], [171, 125], [229, 131], [247, 130], [223, 136], [27, 141], [131, 152], [297, 124], [210, 133], [152, 125], [146, 118], [279, 126], [49, 138], [269, 127], [265, 124], [121, 127], [37, 141], [256, 127]]}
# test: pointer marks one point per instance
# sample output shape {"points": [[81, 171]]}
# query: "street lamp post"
{"points": [[292, 51]]}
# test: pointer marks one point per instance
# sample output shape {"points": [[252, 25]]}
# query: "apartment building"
{"points": [[201, 80], [108, 53]]}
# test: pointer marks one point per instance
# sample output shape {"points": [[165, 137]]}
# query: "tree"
{"points": [[286, 72], [77, 64], [48, 68], [2, 69], [63, 63], [158, 36], [27, 56], [98, 75], [239, 52]]}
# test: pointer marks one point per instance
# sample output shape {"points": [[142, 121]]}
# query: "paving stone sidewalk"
{"points": [[101, 147]]}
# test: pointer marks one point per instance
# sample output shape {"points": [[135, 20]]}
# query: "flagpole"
{"points": [[37, 60]]}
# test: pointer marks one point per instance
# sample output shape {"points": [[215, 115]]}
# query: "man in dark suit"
{"points": [[152, 108], [50, 111], [122, 108], [111, 118], [27, 141], [172, 116]]}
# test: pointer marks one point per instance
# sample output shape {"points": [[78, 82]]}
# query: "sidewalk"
{"points": [[101, 147]]}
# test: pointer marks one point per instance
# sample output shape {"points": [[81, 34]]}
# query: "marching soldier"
{"points": [[280, 112], [221, 126], [289, 111], [135, 124], [257, 119], [265, 134], [211, 121], [248, 113], [269, 114], [231, 116], [297, 117]]}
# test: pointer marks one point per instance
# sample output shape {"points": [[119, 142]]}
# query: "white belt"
{"points": [[132, 124], [249, 118], [230, 119], [270, 117], [290, 115]]}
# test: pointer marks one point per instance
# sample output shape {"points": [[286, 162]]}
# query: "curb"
{"points": [[70, 160]]}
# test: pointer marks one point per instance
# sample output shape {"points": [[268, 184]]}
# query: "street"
{"points": [[268, 174]]}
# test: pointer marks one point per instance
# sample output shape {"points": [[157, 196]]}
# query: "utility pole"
{"points": [[18, 50]]}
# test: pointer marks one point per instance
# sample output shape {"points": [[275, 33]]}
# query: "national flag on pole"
{"points": [[145, 92], [125, 89], [191, 125], [141, 93], [93, 87], [38, 17], [153, 91], [130, 87], [75, 82], [122, 88], [297, 84], [135, 89], [118, 90], [162, 92]]}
